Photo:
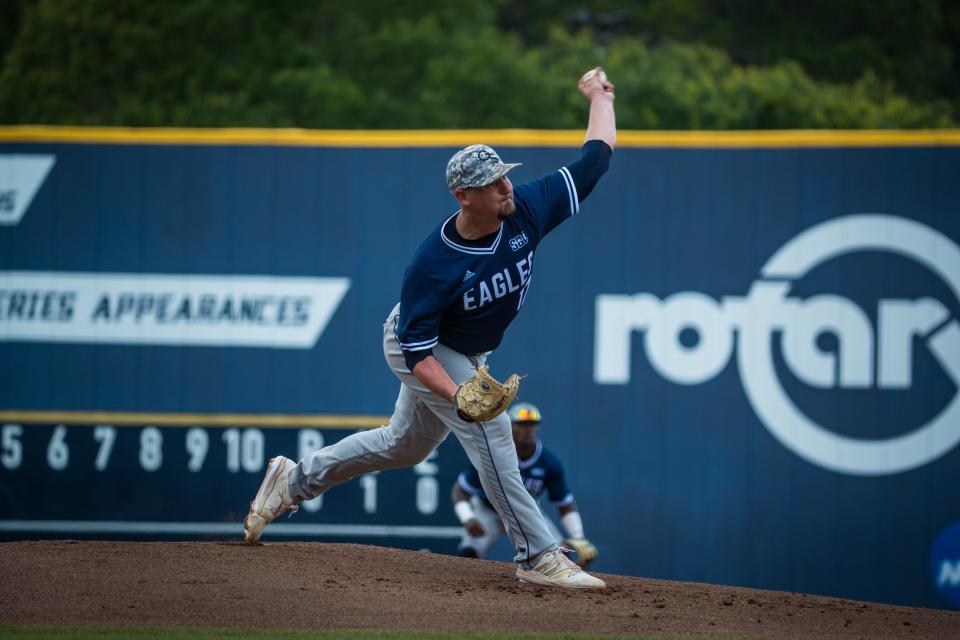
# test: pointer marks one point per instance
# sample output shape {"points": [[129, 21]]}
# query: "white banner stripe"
{"points": [[283, 312], [284, 529]]}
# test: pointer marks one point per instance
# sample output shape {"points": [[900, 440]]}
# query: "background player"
{"points": [[464, 286], [541, 471]]}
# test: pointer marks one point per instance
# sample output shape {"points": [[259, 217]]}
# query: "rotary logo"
{"points": [[863, 359]]}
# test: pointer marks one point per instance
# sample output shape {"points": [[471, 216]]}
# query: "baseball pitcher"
{"points": [[462, 289]]}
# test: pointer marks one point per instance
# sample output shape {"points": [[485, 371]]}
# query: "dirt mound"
{"points": [[352, 586]]}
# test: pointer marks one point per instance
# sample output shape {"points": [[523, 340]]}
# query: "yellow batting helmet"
{"points": [[525, 412]]}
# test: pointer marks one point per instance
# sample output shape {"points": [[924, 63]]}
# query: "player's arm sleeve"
{"points": [[586, 171], [557, 488], [418, 326], [469, 481], [556, 197]]}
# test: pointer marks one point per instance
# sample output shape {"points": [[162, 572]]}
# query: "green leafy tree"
{"points": [[915, 44], [414, 64]]}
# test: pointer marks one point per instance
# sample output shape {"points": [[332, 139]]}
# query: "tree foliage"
{"points": [[471, 64], [914, 44]]}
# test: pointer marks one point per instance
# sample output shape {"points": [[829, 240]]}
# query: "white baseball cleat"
{"points": [[272, 499], [555, 569]]}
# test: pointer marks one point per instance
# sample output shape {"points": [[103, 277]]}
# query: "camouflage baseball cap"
{"points": [[475, 166]]}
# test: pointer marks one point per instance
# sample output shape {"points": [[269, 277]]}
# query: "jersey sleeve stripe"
{"points": [[571, 190], [420, 346], [567, 499]]}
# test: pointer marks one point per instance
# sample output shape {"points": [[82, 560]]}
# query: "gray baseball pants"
{"points": [[421, 421], [493, 528]]}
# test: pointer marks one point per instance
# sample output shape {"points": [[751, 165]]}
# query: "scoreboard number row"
{"points": [[245, 451]]}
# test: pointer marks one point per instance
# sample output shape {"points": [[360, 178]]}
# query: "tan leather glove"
{"points": [[483, 398]]}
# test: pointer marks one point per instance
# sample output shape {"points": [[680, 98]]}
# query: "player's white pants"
{"points": [[493, 529], [421, 420]]}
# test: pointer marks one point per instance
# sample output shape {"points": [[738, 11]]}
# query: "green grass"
{"points": [[37, 632]]}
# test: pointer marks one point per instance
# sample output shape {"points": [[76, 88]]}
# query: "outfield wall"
{"points": [[745, 345]]}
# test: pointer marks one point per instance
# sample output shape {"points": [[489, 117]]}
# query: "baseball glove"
{"points": [[586, 552], [483, 398]]}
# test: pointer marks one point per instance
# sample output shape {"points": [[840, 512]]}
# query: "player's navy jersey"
{"points": [[462, 293], [540, 472]]}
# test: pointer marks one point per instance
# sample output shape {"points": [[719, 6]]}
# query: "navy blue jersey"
{"points": [[541, 472], [462, 293]]}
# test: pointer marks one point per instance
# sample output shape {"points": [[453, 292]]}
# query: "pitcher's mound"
{"points": [[350, 586]]}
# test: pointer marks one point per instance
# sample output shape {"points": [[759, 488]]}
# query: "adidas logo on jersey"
{"points": [[468, 275]]}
